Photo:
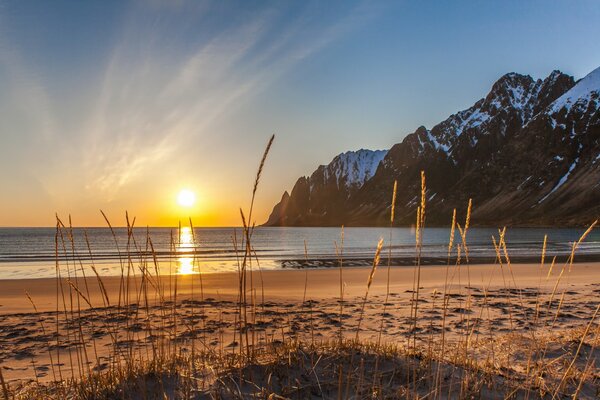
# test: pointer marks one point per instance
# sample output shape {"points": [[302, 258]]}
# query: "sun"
{"points": [[186, 198]]}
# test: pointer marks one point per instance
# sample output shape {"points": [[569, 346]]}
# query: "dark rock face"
{"points": [[527, 154], [324, 195]]}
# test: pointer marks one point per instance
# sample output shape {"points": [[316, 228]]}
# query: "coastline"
{"points": [[288, 284]]}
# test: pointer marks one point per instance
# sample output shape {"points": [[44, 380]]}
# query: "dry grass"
{"points": [[178, 362]]}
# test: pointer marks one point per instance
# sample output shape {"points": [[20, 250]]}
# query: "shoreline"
{"points": [[111, 268], [288, 284]]}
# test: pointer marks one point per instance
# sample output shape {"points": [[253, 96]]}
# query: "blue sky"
{"points": [[119, 105]]}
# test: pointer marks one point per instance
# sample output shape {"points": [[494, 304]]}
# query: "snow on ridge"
{"points": [[519, 90], [354, 167], [456, 124], [554, 75], [512, 91], [521, 98], [580, 94], [561, 181], [510, 88], [476, 118], [438, 146], [517, 95]]}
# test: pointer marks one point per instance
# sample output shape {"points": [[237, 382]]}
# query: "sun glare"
{"points": [[185, 266], [186, 198], [185, 263]]}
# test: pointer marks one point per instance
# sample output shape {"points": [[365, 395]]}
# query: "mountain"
{"points": [[527, 154], [318, 198]]}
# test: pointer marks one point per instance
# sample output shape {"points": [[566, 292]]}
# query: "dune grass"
{"points": [[178, 361]]}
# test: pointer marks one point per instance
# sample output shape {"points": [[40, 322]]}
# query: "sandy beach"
{"points": [[288, 285], [492, 305]]}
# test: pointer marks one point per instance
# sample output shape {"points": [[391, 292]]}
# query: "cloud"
{"points": [[165, 81]]}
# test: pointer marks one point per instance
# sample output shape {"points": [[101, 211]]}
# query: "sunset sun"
{"points": [[186, 198]]}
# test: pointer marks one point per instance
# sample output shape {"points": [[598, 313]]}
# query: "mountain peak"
{"points": [[511, 81], [585, 91], [421, 130], [354, 168], [554, 75], [551, 88], [512, 90]]}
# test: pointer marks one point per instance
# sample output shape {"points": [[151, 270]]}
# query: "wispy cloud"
{"points": [[162, 84]]}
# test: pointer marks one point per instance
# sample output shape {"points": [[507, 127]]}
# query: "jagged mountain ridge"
{"points": [[528, 154], [330, 185]]}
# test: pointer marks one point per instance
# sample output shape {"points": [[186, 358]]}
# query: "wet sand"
{"points": [[289, 284]]}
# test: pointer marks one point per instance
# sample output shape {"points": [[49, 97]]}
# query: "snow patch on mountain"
{"points": [[512, 91], [354, 168], [521, 90], [438, 146], [476, 118], [562, 180], [580, 95]]}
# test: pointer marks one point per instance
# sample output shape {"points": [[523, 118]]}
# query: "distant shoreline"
{"points": [[324, 264], [426, 261]]}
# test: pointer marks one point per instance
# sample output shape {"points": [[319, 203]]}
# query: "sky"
{"points": [[116, 105]]}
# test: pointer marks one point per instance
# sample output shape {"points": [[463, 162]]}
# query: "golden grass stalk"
{"points": [[452, 229], [339, 252], [389, 266], [423, 198], [463, 232], [543, 252], [369, 282], [247, 258], [258, 175], [419, 244], [393, 206], [305, 272], [445, 300]]}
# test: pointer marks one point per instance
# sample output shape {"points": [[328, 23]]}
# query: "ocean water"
{"points": [[37, 252]]}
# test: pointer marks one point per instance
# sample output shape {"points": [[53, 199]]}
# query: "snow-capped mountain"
{"points": [[513, 101], [528, 153], [353, 168], [585, 94], [328, 185]]}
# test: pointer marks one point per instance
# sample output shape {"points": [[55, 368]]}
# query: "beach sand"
{"points": [[494, 307]]}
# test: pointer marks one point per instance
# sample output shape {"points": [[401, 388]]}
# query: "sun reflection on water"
{"points": [[185, 263]]}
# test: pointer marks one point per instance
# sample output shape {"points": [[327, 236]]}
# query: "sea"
{"points": [[44, 252]]}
